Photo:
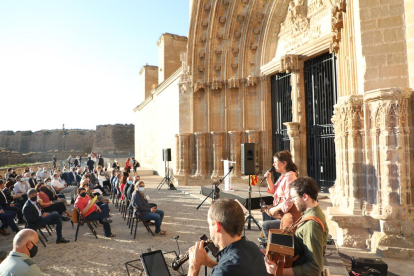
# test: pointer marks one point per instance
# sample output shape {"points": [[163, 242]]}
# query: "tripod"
{"points": [[250, 217], [167, 179], [215, 189]]}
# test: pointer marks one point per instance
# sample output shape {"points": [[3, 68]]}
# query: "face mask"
{"points": [[130, 182], [33, 251], [34, 198], [49, 184], [141, 189], [82, 194]]}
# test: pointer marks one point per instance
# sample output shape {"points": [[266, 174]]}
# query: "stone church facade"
{"points": [[330, 80]]}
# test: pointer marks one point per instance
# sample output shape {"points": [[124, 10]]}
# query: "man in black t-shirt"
{"points": [[237, 256]]}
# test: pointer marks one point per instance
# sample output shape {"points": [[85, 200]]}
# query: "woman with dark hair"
{"points": [[283, 212], [47, 205]]}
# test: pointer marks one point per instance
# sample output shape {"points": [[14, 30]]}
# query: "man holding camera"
{"points": [[237, 256]]}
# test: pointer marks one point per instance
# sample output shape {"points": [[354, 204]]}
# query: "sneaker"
{"points": [[21, 221], [66, 218], [62, 240]]}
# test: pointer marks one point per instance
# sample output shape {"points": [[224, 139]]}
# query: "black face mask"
{"points": [[34, 198], [33, 251], [82, 194]]}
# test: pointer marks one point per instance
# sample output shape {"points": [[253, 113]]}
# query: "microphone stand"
{"points": [[215, 188]]}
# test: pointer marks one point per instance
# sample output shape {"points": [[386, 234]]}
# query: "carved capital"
{"points": [[251, 81], [289, 63], [233, 83], [293, 129], [198, 86], [216, 84]]}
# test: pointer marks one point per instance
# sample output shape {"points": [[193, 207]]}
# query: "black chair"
{"points": [[39, 229], [138, 218], [82, 221]]}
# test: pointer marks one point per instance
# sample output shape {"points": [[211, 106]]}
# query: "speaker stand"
{"points": [[167, 179], [249, 217]]}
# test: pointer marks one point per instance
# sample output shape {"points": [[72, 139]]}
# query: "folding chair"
{"points": [[82, 221], [138, 218]]}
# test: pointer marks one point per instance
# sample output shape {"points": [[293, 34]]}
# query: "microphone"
{"points": [[265, 177], [231, 167]]}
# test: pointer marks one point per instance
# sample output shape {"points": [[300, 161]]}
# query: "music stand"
{"points": [[250, 217]]}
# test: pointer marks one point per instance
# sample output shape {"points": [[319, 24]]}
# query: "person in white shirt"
{"points": [[20, 189], [44, 174], [63, 188], [39, 174]]}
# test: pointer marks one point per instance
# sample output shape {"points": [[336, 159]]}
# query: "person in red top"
{"points": [[91, 211], [128, 165], [283, 212]]}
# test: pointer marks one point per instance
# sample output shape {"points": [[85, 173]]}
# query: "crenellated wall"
{"points": [[27, 146]]}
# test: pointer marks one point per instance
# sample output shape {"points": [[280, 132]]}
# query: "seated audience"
{"points": [[7, 218], [20, 188], [92, 211], [8, 205], [148, 210], [32, 180], [52, 194], [63, 188], [19, 261], [48, 205], [36, 218]]}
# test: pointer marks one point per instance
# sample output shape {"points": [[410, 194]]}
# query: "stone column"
{"points": [[235, 151], [294, 136], [202, 146], [183, 150], [349, 188], [390, 150], [218, 153]]}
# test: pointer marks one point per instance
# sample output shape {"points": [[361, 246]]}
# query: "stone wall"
{"points": [[26, 146], [156, 123], [114, 140], [47, 140]]}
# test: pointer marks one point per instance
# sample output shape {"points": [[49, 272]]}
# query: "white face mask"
{"points": [[49, 183]]}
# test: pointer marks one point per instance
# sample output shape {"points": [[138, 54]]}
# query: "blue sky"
{"points": [[77, 62]]}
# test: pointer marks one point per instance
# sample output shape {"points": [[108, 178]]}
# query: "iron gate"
{"points": [[321, 95], [281, 110]]}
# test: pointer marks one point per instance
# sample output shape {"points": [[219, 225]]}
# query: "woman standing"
{"points": [[283, 212], [128, 165]]}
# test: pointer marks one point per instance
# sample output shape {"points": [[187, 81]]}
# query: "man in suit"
{"points": [[32, 180], [90, 164], [72, 177], [101, 161], [8, 206], [35, 218]]}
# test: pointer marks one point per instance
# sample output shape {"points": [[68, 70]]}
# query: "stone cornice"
{"points": [[387, 93]]}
